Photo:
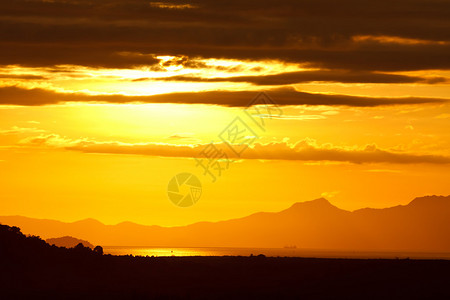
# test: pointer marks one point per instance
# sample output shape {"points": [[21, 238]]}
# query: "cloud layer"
{"points": [[308, 76], [304, 150], [285, 96], [321, 33]]}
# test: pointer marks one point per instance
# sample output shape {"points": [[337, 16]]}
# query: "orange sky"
{"points": [[41, 177], [96, 127]]}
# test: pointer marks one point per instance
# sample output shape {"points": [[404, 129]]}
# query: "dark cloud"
{"points": [[319, 32], [309, 76], [92, 56], [22, 76], [284, 96]]}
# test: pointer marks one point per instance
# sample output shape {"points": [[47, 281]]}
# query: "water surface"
{"points": [[274, 252]]}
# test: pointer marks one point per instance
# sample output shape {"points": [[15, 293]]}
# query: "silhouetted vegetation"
{"points": [[98, 250], [32, 269], [15, 244]]}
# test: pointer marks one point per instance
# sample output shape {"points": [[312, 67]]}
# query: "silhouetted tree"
{"points": [[98, 250], [80, 246]]}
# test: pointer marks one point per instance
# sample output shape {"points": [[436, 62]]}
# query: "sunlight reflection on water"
{"points": [[274, 252]]}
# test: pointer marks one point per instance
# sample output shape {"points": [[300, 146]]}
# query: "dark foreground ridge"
{"points": [[32, 269]]}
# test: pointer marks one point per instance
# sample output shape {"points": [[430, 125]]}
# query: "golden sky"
{"points": [[101, 104]]}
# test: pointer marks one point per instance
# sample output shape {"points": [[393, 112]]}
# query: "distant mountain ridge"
{"points": [[422, 225]]}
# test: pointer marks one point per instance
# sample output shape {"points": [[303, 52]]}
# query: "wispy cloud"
{"points": [[20, 130]]}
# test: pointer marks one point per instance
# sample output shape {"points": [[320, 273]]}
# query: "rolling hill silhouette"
{"points": [[422, 225], [68, 242]]}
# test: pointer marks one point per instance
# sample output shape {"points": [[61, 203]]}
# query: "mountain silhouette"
{"points": [[422, 225], [68, 242]]}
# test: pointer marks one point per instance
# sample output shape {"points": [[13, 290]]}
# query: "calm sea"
{"points": [[274, 252]]}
